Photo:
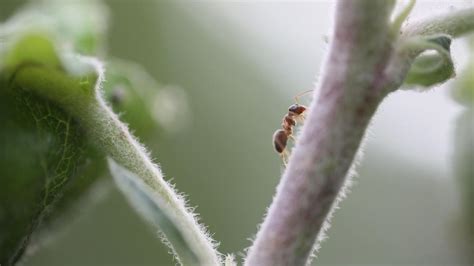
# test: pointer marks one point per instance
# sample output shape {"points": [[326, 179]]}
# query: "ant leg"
{"points": [[284, 157], [303, 118], [292, 138]]}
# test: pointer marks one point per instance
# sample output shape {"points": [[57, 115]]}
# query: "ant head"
{"points": [[297, 109]]}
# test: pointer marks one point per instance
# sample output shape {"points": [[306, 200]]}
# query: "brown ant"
{"points": [[295, 114]]}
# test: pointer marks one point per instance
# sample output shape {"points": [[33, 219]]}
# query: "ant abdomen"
{"points": [[280, 138]]}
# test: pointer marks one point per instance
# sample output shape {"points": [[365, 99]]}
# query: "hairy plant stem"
{"points": [[349, 94], [360, 71], [454, 23], [113, 137]]}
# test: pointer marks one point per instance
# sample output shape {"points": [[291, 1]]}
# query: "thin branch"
{"points": [[360, 67], [115, 138], [454, 23], [349, 95], [103, 127]]}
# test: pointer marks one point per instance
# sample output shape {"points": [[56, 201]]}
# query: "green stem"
{"points": [[80, 98], [455, 23]]}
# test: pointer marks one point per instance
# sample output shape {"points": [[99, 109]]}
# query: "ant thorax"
{"points": [[288, 124]]}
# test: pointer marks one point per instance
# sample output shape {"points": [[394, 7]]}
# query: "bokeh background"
{"points": [[240, 64]]}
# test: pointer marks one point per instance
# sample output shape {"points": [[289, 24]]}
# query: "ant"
{"points": [[295, 114]]}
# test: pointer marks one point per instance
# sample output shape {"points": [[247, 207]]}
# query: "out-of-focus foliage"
{"points": [[463, 89], [463, 158], [78, 25], [47, 161], [433, 66], [54, 148], [239, 87], [154, 210], [463, 93]]}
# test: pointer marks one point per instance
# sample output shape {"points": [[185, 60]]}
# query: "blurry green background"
{"points": [[240, 64]]}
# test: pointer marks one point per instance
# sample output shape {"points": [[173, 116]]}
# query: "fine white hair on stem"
{"points": [[343, 193], [85, 103], [362, 67], [329, 139], [115, 138]]}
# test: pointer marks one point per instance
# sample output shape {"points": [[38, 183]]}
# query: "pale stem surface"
{"points": [[366, 62], [349, 95]]}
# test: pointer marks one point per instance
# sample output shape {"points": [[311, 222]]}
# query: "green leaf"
{"points": [[131, 91], [40, 153], [46, 122], [43, 148], [463, 169], [154, 210], [151, 108], [80, 25], [433, 65], [46, 160], [463, 91], [32, 48], [54, 119], [463, 153], [463, 87]]}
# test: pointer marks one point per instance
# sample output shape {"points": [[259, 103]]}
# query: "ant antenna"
{"points": [[301, 94]]}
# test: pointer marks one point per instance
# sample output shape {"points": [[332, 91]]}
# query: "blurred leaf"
{"points": [[47, 161], [39, 155], [463, 159], [151, 108], [43, 149], [463, 88], [153, 209], [78, 25], [45, 157], [463, 92], [32, 48], [434, 65], [131, 92]]}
